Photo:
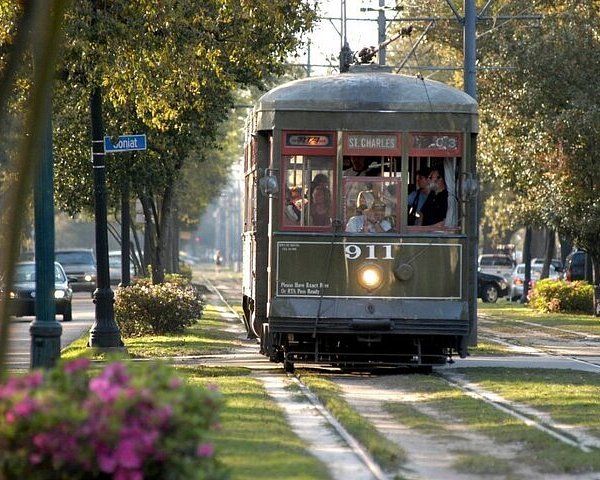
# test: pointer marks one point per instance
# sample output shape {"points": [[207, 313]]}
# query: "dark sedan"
{"points": [[491, 287], [21, 298]]}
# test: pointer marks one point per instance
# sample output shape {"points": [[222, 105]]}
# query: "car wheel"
{"points": [[68, 314], [490, 293]]}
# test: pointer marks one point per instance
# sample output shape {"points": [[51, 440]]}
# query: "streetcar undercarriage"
{"points": [[364, 350]]}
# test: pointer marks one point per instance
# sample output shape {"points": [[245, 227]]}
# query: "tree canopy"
{"points": [[167, 69]]}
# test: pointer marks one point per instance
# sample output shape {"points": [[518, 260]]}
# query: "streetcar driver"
{"points": [[359, 167], [372, 220]]}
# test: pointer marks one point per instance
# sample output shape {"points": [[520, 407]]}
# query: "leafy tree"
{"points": [[168, 70], [546, 121]]}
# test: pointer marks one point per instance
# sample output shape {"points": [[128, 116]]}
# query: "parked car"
{"points": [[496, 264], [80, 266], [578, 267], [115, 269], [518, 278], [491, 287], [21, 298], [555, 262]]}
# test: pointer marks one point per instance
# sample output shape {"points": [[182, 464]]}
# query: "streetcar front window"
{"points": [[309, 191], [371, 204]]}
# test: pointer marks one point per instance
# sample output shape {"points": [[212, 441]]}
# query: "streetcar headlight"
{"points": [[370, 277]]}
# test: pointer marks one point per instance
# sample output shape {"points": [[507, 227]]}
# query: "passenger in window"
{"points": [[320, 205], [319, 179], [294, 204], [417, 199], [360, 168], [372, 220], [435, 208]]}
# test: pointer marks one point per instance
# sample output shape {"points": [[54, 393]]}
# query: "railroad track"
{"points": [[326, 437], [319, 428], [586, 343]]}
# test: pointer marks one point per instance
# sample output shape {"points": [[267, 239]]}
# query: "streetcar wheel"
{"points": [[490, 293]]}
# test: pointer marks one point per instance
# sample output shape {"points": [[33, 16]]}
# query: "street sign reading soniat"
{"points": [[125, 143]]}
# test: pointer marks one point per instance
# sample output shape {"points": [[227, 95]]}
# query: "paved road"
{"points": [[19, 344]]}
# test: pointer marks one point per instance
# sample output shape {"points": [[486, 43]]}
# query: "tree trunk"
{"points": [[152, 247], [166, 229], [527, 262], [550, 246]]}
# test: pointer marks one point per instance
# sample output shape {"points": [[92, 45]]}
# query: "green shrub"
{"points": [[146, 309], [559, 296]]}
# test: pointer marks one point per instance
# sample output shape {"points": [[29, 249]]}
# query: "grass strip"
{"points": [[533, 447], [255, 440], [384, 451], [507, 312]]}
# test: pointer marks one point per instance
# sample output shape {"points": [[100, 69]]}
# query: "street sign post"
{"points": [[125, 143]]}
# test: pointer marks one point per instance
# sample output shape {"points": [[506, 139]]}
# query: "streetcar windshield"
{"points": [[309, 191], [371, 204]]}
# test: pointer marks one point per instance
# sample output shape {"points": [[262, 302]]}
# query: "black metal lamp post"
{"points": [[105, 332]]}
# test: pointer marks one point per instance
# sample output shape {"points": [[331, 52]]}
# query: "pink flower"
{"points": [[35, 458], [24, 408], [205, 450], [107, 462], [124, 474], [34, 379], [104, 389], [76, 365], [12, 386], [175, 383], [127, 454], [10, 417]]}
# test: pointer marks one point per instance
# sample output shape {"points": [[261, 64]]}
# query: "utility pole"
{"points": [[381, 24], [470, 49]]}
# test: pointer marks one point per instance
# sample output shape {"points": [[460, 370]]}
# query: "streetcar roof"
{"points": [[378, 92]]}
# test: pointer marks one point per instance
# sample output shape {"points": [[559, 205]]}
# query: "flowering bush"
{"points": [[120, 422], [147, 309]]}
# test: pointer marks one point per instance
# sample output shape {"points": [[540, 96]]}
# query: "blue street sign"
{"points": [[125, 143]]}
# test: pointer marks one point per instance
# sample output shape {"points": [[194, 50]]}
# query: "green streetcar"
{"points": [[339, 267]]}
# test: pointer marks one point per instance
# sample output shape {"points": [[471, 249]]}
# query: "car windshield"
{"points": [[83, 258], [26, 273]]}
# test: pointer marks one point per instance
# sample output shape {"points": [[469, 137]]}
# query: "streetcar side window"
{"points": [[433, 192], [309, 191]]}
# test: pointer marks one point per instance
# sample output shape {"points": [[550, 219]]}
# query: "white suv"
{"points": [[497, 264]]}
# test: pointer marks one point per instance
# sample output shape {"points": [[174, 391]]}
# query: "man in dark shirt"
{"points": [[435, 208]]}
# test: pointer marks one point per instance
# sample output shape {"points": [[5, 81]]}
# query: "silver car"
{"points": [[518, 278]]}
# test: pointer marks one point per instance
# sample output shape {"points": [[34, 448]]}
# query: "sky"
{"points": [[361, 31]]}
